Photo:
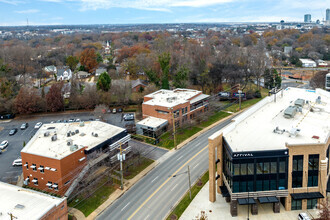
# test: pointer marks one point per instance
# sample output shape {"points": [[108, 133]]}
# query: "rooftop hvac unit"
{"points": [[54, 137], [82, 134], [69, 142], [77, 131], [46, 134], [95, 134], [73, 148], [294, 132], [68, 134], [290, 112], [299, 103], [318, 100], [82, 124]]}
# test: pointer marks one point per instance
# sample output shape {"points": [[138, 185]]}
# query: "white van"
{"points": [[17, 162], [303, 216]]}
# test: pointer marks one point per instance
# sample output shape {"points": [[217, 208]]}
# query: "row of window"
{"points": [[41, 168], [296, 204], [297, 170]]}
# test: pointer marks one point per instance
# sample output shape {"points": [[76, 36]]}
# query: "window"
{"points": [[49, 184], [250, 169], [296, 204], [186, 109], [35, 181], [34, 167], [55, 186], [273, 167], [311, 203], [41, 168], [26, 165], [298, 163], [282, 167], [313, 170], [259, 168], [182, 111], [297, 171], [243, 169], [236, 169]]}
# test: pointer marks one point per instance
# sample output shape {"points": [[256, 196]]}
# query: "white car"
{"points": [[38, 125], [17, 162], [3, 145]]}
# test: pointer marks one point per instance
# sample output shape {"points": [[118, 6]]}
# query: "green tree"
{"points": [[72, 62], [99, 58], [272, 79], [104, 82], [164, 62], [152, 76], [181, 77]]}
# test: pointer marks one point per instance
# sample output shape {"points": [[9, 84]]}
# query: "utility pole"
{"points": [[189, 182], [12, 217], [173, 121], [121, 157]]}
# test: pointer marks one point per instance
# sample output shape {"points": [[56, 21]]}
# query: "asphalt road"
{"points": [[147, 150], [154, 196]]}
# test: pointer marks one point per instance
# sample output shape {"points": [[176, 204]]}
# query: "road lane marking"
{"points": [[179, 158], [195, 165], [174, 187], [198, 144], [125, 206], [168, 179], [147, 217], [154, 179]]}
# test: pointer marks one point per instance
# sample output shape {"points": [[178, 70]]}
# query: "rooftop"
{"points": [[171, 98], [25, 203], [152, 122], [264, 127], [44, 145]]}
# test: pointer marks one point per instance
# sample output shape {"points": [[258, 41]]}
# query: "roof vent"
{"points": [[77, 131], [46, 134], [73, 148], [82, 124], [68, 134], [294, 132], [19, 206], [54, 137], [278, 131], [69, 142], [318, 100], [82, 134], [95, 134]]}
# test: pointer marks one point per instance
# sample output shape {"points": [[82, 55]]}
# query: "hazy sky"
{"points": [[41, 12]]}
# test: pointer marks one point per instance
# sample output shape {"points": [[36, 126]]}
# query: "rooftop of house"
{"points": [[307, 61], [171, 98], [152, 122], [25, 203], [139, 82], [82, 135], [269, 125]]}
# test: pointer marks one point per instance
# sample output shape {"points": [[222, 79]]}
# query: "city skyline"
{"points": [[65, 12]]}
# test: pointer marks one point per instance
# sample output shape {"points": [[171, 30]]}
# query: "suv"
{"points": [[12, 131], [17, 162], [3, 145], [24, 126], [38, 125], [128, 117]]}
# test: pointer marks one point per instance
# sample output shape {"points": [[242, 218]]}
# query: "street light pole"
{"points": [[189, 182]]}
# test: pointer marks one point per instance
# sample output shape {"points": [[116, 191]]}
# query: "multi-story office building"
{"points": [[307, 18], [20, 203], [179, 105], [327, 15], [58, 152], [275, 152]]}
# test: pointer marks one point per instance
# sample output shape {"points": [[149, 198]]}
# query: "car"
{"points": [[3, 145], [12, 131], [58, 121], [114, 111], [128, 117], [303, 216], [91, 119], [71, 120], [52, 122], [65, 121], [120, 110], [38, 125], [24, 126], [78, 120], [17, 162]]}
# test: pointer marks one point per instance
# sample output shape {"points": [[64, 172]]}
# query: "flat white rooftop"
{"points": [[58, 149], [152, 122], [171, 98], [253, 130], [25, 203]]}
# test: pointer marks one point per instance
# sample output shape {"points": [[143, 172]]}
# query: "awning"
{"points": [[47, 168], [224, 191], [249, 201], [199, 98], [270, 199], [32, 166], [55, 185], [52, 169], [48, 184], [40, 168], [34, 181], [27, 179], [311, 195]]}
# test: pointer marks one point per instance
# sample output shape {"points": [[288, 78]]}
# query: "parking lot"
{"points": [[8, 173]]}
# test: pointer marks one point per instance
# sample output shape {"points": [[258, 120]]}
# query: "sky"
{"points": [[56, 12]]}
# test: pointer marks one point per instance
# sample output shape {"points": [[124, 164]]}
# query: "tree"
{"points": [[152, 76], [54, 98], [99, 58], [88, 59], [164, 62], [72, 62], [181, 77], [104, 82], [324, 210], [28, 101], [272, 79]]}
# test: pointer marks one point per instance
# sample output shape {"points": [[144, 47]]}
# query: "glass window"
{"points": [[266, 168], [266, 185], [297, 181], [297, 163], [242, 186], [235, 187], [311, 203], [50, 185], [34, 167], [282, 167], [313, 167], [273, 185], [259, 168], [296, 204], [259, 185], [250, 169], [236, 169], [250, 186], [281, 184], [243, 169], [42, 169], [273, 167]]}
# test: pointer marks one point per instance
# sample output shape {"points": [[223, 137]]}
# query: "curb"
{"points": [[118, 193]]}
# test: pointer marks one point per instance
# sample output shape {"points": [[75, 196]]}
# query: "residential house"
{"points": [[99, 71], [137, 84], [64, 73]]}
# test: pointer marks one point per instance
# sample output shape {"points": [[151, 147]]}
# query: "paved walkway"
{"points": [[76, 213], [221, 208]]}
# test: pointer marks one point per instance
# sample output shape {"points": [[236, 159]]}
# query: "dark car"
{"points": [[120, 110], [7, 116], [12, 131], [24, 126]]}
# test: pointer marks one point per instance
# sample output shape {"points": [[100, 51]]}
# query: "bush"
{"points": [[257, 94]]}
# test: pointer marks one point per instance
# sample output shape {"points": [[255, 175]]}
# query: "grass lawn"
{"points": [[184, 203], [214, 118], [244, 104], [167, 140], [133, 170], [88, 205]]}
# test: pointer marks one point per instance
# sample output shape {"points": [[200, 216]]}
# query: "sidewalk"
{"points": [[76, 213]]}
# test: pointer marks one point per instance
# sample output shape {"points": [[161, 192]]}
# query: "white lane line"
{"points": [[147, 217], [179, 158], [195, 165], [174, 187], [125, 206], [198, 144], [154, 179]]}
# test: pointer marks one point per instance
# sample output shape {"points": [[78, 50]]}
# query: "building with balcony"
{"points": [[178, 106], [58, 152], [275, 152], [20, 203]]}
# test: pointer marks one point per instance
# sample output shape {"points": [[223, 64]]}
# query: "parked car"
{"points": [[114, 111], [7, 116], [71, 120], [3, 145], [58, 121], [38, 125], [24, 126], [120, 110], [78, 120], [17, 162], [128, 117], [12, 131], [303, 216]]}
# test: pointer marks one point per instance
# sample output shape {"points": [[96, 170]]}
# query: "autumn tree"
{"points": [[88, 59], [104, 82], [324, 211], [54, 98], [28, 101]]}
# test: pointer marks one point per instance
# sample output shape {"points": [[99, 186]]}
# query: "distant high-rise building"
{"points": [[308, 18], [327, 15]]}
